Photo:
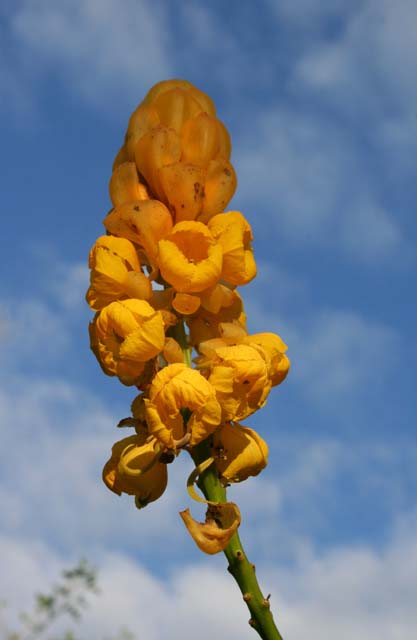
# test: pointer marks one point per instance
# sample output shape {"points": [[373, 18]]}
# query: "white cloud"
{"points": [[371, 233], [368, 68], [344, 593], [52, 477], [354, 592], [107, 50], [335, 353], [381, 37], [308, 174], [342, 353], [69, 283], [32, 328]]}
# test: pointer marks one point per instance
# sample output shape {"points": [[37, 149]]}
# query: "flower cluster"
{"points": [[164, 286]]}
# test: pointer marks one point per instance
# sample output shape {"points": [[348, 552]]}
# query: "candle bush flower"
{"points": [[170, 321]]}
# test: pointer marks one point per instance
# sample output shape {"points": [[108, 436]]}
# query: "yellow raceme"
{"points": [[124, 336], [115, 273], [171, 260], [134, 468], [176, 388]]}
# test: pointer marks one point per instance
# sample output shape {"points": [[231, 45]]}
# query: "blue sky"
{"points": [[320, 99]]}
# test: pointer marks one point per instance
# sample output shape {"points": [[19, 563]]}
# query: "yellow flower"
{"points": [[174, 388], [234, 235], [238, 373], [239, 452], [115, 273], [143, 222], [124, 336], [189, 258], [125, 185], [206, 324], [274, 347], [134, 469]]}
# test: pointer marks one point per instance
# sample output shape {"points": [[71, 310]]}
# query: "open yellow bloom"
{"points": [[238, 373], [239, 452], [234, 234], [178, 387], [134, 469], [143, 222], [124, 336], [115, 273], [189, 258]]}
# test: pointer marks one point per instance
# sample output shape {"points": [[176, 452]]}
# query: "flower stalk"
{"points": [[239, 566]]}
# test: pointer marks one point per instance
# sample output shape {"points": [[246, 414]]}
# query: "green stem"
{"points": [[240, 567]]}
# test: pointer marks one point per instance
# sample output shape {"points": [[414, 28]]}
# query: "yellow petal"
{"points": [[225, 144], [240, 452], [206, 324], [121, 157], [274, 348], [239, 374], [185, 303], [125, 185], [134, 469], [137, 285], [175, 106], [159, 147], [216, 297], [213, 535], [234, 234], [172, 351], [183, 186], [178, 387], [144, 222], [142, 120], [124, 336], [200, 139], [202, 98], [219, 188]]}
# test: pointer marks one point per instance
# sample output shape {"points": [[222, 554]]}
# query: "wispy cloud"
{"points": [[104, 50], [313, 181], [344, 593], [334, 352]]}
